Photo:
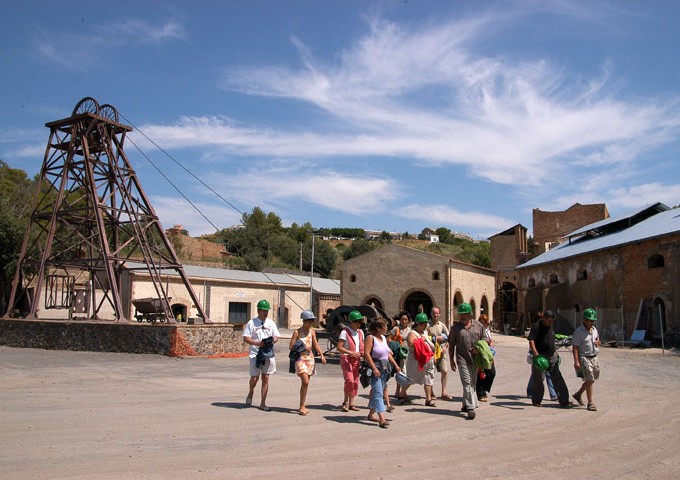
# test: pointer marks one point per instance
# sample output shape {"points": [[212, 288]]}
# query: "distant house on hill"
{"points": [[430, 234]]}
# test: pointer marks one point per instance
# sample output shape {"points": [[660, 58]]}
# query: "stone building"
{"points": [[395, 278], [627, 268], [550, 228], [227, 296]]}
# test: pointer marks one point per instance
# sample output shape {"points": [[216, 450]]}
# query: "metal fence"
{"points": [[610, 323]]}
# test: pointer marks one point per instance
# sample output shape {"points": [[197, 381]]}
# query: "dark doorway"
{"points": [[417, 302], [179, 311]]}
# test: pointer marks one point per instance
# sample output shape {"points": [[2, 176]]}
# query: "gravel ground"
{"points": [[81, 415]]}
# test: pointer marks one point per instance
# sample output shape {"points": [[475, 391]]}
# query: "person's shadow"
{"points": [[512, 402]]}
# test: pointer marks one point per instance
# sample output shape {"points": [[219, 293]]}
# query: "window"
{"points": [[238, 312], [655, 261], [553, 279], [435, 275], [582, 275], [352, 278], [532, 283]]}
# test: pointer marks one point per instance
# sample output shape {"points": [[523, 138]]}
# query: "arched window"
{"points": [[582, 275], [435, 275], [553, 279], [655, 261], [352, 278], [532, 282]]}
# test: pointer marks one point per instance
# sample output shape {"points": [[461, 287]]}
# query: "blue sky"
{"points": [[392, 115]]}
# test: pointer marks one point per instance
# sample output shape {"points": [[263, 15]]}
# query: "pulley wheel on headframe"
{"points": [[86, 105]]}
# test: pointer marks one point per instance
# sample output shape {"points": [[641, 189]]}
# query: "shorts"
{"points": [[442, 364], [268, 368], [590, 368]]}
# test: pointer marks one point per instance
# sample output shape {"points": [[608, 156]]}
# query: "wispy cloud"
{"points": [[343, 192], [447, 215], [427, 94], [83, 49]]}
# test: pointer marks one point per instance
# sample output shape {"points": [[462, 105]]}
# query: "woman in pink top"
{"points": [[351, 348], [379, 358]]}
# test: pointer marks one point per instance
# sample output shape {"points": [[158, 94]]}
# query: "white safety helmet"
{"points": [[307, 315]]}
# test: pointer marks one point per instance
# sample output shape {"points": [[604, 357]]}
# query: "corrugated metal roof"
{"points": [[608, 221], [321, 285], [663, 223]]}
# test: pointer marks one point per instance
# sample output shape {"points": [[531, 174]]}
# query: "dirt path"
{"points": [[82, 415]]}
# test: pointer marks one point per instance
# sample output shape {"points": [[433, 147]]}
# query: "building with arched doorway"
{"points": [[396, 278]]}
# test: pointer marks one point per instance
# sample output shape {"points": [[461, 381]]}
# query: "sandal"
{"points": [[372, 418], [591, 407], [354, 408], [390, 408], [303, 412], [405, 400], [578, 399], [345, 408], [430, 403], [249, 400], [446, 396], [384, 425]]}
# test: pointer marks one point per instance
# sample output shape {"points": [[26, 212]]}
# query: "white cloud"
{"points": [[83, 49], [349, 193], [446, 215], [639, 195], [176, 211]]}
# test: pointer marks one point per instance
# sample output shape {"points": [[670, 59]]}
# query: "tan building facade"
{"points": [[395, 278], [227, 296]]}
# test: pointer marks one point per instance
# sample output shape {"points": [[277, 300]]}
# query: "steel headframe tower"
{"points": [[91, 216]]}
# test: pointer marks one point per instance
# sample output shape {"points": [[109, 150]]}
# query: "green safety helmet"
{"points": [[263, 305], [590, 314], [421, 318], [541, 362], [464, 308], [355, 316]]}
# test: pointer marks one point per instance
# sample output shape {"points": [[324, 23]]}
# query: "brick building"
{"points": [[550, 228], [627, 268], [508, 250], [396, 278]]}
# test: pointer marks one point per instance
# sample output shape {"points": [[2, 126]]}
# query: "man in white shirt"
{"points": [[585, 344], [261, 333]]}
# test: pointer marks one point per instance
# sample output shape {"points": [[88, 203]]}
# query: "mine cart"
{"points": [[151, 309]]}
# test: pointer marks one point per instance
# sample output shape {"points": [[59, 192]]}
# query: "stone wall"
{"points": [[145, 338]]}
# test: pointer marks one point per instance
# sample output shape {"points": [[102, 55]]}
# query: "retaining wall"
{"points": [[93, 336]]}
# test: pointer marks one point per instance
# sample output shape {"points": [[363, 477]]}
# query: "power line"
{"points": [[181, 166], [173, 185]]}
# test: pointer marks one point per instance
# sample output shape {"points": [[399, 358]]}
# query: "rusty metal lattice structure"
{"points": [[91, 218]]}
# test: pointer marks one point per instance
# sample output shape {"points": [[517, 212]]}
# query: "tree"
{"points": [[16, 195], [359, 247]]}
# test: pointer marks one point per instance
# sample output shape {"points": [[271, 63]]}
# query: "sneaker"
{"points": [[536, 405], [471, 414], [578, 399], [566, 405]]}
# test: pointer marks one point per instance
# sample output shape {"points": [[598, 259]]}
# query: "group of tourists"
{"points": [[413, 351]]}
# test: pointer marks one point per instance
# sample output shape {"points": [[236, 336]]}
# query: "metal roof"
{"points": [[658, 207], [658, 225], [320, 285]]}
